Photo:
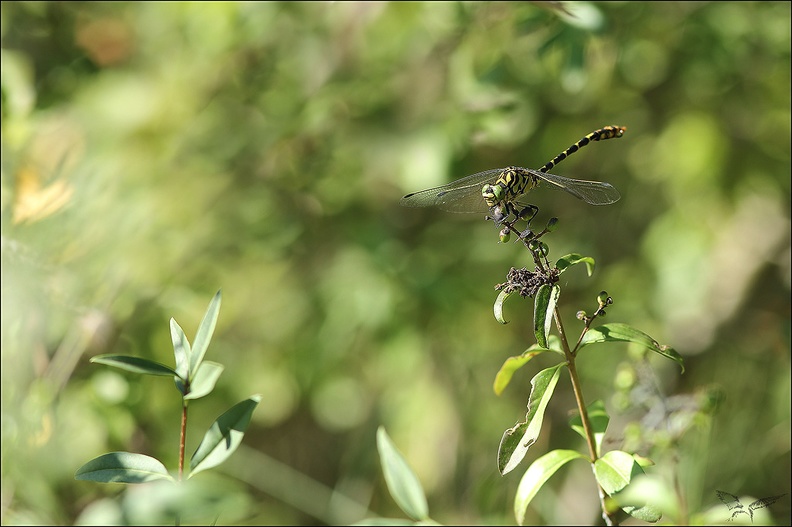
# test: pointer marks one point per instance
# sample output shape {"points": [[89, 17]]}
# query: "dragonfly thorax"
{"points": [[512, 182]]}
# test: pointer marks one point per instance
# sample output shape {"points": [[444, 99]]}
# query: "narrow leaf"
{"points": [[537, 475], [402, 482], [498, 307], [181, 349], [565, 262], [205, 332], [598, 417], [544, 307], [134, 364], [205, 379], [517, 440], [513, 364], [224, 436], [123, 467], [541, 303], [617, 332]]}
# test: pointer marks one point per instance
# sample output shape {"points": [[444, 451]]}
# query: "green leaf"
{"points": [[617, 332], [205, 332], [544, 307], [517, 440], [498, 307], [224, 436], [565, 262], [205, 379], [537, 475], [641, 491], [123, 467], [401, 522], [403, 484], [512, 364], [134, 364], [181, 349], [598, 417], [614, 471]]}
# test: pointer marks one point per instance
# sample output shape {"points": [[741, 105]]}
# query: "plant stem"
{"points": [[592, 445], [182, 438]]}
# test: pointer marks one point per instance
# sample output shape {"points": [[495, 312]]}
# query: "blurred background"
{"points": [[153, 153]]}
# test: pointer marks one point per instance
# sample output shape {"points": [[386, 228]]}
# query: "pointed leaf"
{"points": [[134, 364], [517, 440], [402, 482], [181, 349], [498, 307], [614, 471], [598, 417], [617, 332], [205, 332], [224, 436], [537, 475], [544, 307], [123, 467], [565, 262], [512, 364], [205, 379]]}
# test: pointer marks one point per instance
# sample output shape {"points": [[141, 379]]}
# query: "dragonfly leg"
{"points": [[496, 215]]}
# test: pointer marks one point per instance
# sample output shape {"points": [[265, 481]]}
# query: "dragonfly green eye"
{"points": [[492, 194]]}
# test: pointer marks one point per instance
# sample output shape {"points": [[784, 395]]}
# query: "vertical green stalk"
{"points": [[592, 445]]}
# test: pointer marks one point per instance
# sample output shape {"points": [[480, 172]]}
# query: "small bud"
{"points": [[543, 248], [533, 245], [505, 235], [527, 213], [602, 298], [581, 315], [552, 223]]}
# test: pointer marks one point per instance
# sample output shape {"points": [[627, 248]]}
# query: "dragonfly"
{"points": [[498, 191]]}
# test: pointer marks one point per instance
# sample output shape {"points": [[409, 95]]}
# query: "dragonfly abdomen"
{"points": [[606, 132]]}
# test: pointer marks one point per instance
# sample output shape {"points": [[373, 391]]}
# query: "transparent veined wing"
{"points": [[462, 195], [592, 192]]}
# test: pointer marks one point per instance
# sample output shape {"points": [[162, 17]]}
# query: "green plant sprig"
{"points": [[614, 470], [194, 378]]}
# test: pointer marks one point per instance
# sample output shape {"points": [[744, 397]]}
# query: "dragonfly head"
{"points": [[492, 194]]}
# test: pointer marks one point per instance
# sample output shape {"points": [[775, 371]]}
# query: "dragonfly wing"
{"points": [[462, 195], [592, 192], [730, 500]]}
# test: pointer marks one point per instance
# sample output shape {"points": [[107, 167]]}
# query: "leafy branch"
{"points": [[614, 470], [194, 378]]}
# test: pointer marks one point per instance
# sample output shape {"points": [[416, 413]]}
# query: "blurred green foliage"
{"points": [[155, 152]]}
